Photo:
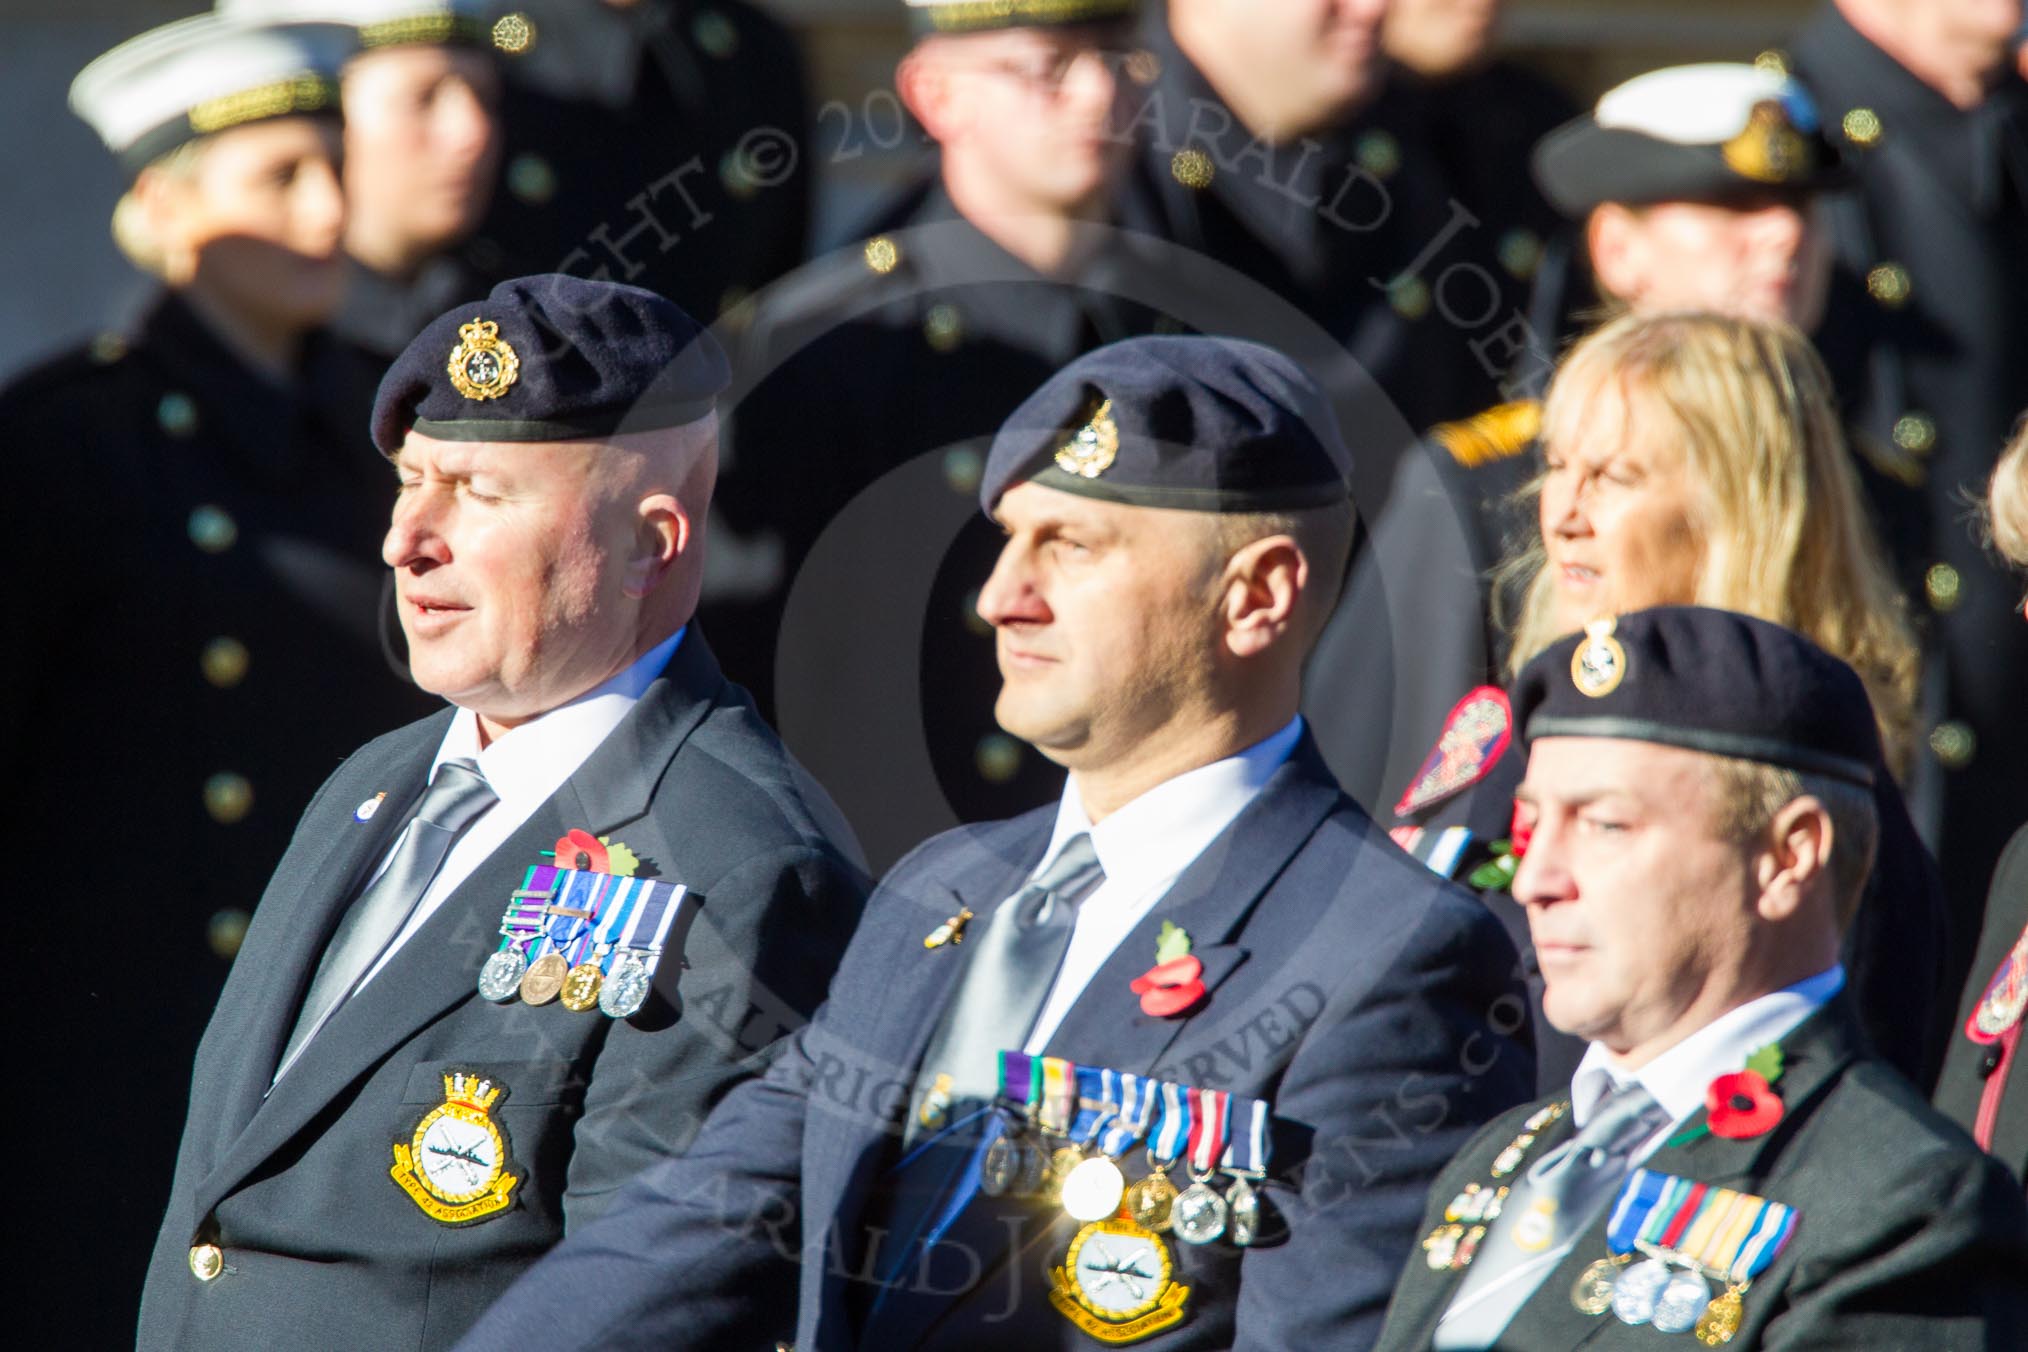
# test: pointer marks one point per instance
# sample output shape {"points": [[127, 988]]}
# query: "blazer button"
{"points": [[206, 1261]]}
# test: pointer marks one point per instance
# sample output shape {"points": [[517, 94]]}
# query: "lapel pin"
{"points": [[364, 812], [952, 931]]}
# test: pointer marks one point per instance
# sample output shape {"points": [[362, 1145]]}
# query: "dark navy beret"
{"points": [[1707, 680], [1201, 424], [551, 358], [1707, 133]]}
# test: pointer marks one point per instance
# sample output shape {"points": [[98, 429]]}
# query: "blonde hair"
{"points": [[131, 231], [1785, 535], [2007, 498]]}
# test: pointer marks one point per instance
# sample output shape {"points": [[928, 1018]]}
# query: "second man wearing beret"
{"points": [[1168, 1062]]}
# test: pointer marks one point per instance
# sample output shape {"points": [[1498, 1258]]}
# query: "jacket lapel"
{"points": [[438, 965], [1211, 900]]}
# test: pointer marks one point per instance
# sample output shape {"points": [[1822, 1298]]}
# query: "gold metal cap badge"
{"points": [[1598, 664], [1091, 450], [483, 365], [1770, 149]]}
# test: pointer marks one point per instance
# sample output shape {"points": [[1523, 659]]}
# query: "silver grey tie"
{"points": [[1569, 1186], [457, 795], [1009, 978]]}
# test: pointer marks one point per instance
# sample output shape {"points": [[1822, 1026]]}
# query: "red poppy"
{"points": [[575, 843], [1741, 1105], [1519, 832], [1169, 988]]}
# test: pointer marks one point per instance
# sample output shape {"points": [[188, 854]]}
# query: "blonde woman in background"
{"points": [[194, 572], [1693, 459]]}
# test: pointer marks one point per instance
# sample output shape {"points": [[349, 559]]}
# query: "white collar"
{"points": [[526, 764], [1151, 839], [1679, 1076]]}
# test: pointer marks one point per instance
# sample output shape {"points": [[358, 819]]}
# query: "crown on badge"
{"points": [[1769, 149], [483, 365], [1092, 448], [472, 1090]]}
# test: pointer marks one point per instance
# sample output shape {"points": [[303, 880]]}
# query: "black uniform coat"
{"points": [[868, 392], [195, 611], [321, 1246], [1365, 1000], [1907, 1236], [1931, 304], [1970, 1067]]}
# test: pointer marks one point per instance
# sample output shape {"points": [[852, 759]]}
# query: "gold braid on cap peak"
{"points": [[1497, 434], [958, 16]]}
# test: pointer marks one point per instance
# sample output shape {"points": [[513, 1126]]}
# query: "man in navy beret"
{"points": [[1204, 951], [1730, 1160], [516, 950]]}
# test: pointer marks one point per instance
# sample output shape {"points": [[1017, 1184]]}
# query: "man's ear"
{"points": [[1612, 238], [1794, 863], [664, 532], [923, 82], [1264, 583]]}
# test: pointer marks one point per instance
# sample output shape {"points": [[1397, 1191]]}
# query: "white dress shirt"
{"points": [[523, 766], [1143, 848], [1679, 1076]]}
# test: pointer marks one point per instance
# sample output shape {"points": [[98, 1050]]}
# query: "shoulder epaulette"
{"points": [[1500, 432]]}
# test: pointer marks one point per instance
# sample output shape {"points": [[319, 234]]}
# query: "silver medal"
{"points": [[1031, 1169], [626, 986], [1638, 1289], [500, 978], [1244, 1204], [1198, 1214], [1681, 1303], [1001, 1168], [1093, 1190]]}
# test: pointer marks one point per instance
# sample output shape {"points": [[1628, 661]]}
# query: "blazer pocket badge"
{"points": [[457, 1165]]}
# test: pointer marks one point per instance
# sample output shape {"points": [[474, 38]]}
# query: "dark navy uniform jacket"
{"points": [[1373, 1006]]}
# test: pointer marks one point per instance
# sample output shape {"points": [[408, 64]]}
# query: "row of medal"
{"points": [[588, 939], [1453, 1244], [1065, 1129], [1690, 1235]]}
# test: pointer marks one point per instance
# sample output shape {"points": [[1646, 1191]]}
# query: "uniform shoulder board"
{"points": [[1500, 432], [1474, 738]]}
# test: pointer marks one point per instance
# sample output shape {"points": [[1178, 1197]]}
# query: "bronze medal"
{"points": [[544, 979], [581, 987], [1149, 1200], [1593, 1293]]}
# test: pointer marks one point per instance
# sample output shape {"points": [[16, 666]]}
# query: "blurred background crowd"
{"points": [[898, 236]]}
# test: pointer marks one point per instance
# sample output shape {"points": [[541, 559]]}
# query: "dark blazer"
{"points": [[1907, 1237], [1370, 1003], [319, 1241], [1970, 1067]]}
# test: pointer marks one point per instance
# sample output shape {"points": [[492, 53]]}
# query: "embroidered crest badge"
{"points": [[1474, 738], [457, 1165]]}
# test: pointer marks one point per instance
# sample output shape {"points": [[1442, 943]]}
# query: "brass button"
{"points": [[1378, 153], [177, 415], [206, 1261], [1890, 285], [1143, 67], [1409, 297], [998, 758], [228, 797], [226, 931], [1943, 586], [513, 34], [942, 329], [1915, 432], [224, 662], [1862, 128], [531, 178], [1192, 168], [736, 172], [1954, 744], [881, 255], [108, 348], [212, 529], [1521, 252], [715, 34], [963, 468], [1773, 61]]}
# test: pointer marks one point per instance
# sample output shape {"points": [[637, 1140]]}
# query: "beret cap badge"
{"points": [[1092, 448], [483, 365], [1599, 664]]}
